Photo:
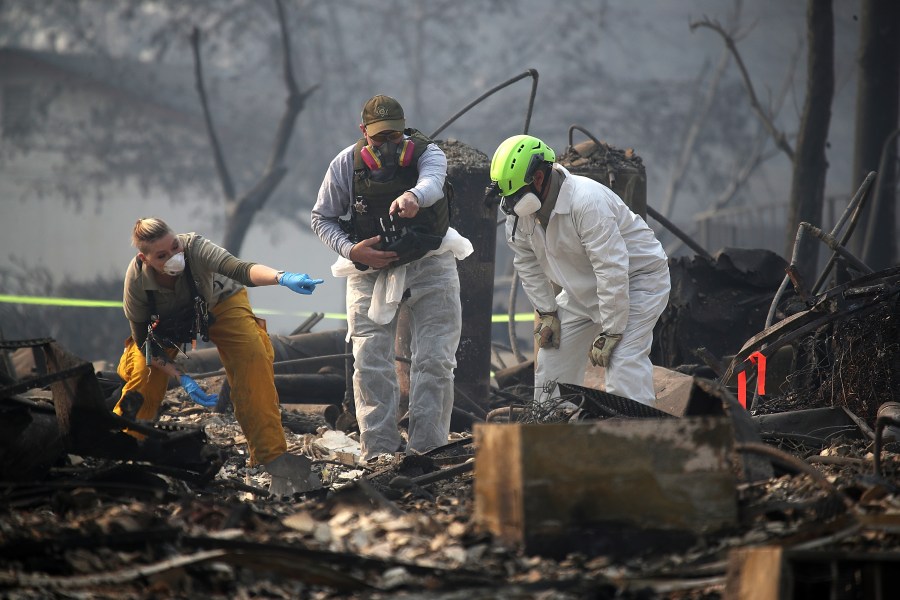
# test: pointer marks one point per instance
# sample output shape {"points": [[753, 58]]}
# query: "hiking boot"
{"points": [[291, 474]]}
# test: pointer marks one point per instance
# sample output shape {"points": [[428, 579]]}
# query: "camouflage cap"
{"points": [[383, 113]]}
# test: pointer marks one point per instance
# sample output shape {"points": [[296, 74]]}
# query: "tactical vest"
{"points": [[372, 201], [186, 325]]}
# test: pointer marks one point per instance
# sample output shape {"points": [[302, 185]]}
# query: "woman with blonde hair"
{"points": [[181, 287]]}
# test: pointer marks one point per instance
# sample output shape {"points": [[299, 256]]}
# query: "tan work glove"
{"points": [[602, 348], [546, 333]]}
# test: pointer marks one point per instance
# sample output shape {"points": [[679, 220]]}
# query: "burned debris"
{"points": [[799, 488]]}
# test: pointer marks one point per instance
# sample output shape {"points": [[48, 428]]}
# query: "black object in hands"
{"points": [[403, 240]]}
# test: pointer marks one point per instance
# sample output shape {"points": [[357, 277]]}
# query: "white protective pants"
{"points": [[630, 373], [435, 316]]}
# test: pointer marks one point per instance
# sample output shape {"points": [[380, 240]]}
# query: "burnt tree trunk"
{"points": [[810, 165], [877, 99]]}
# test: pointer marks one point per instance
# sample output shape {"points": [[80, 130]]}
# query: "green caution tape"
{"points": [[85, 303], [77, 302]]}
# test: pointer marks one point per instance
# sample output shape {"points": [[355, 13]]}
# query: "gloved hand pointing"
{"points": [[197, 394], [546, 333], [601, 349], [299, 282]]}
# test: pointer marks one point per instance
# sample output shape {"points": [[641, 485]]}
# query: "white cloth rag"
{"points": [[391, 283]]}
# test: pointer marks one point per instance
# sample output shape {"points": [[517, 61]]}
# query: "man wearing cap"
{"points": [[383, 209]]}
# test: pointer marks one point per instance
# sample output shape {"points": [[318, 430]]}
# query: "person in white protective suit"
{"points": [[574, 232], [396, 246]]}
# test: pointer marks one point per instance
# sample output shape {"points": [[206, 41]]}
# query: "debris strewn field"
{"points": [[814, 469]]}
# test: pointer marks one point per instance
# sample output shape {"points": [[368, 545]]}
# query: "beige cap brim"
{"points": [[386, 125]]}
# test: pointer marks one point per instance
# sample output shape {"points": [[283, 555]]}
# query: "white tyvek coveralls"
{"points": [[614, 276], [435, 316]]}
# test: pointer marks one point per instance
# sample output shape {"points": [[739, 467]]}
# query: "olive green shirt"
{"points": [[216, 272]]}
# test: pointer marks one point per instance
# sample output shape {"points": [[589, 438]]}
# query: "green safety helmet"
{"points": [[516, 160]]}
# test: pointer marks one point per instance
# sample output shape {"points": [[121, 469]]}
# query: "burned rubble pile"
{"points": [[595, 154], [462, 155], [796, 490]]}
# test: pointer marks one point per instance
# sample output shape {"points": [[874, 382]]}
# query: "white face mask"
{"points": [[175, 265], [527, 205]]}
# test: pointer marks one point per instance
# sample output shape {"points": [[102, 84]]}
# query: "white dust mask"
{"points": [[527, 205], [175, 265]]}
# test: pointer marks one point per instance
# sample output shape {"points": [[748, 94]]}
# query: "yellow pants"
{"points": [[247, 355]]}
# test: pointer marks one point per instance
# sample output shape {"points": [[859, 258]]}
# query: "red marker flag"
{"points": [[758, 359]]}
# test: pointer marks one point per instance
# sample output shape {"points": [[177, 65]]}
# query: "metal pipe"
{"points": [[888, 414], [529, 73], [857, 203], [830, 241], [690, 243], [310, 322], [585, 132]]}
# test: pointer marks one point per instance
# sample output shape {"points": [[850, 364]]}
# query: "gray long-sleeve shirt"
{"points": [[336, 193]]}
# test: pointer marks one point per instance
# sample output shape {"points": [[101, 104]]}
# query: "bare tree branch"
{"points": [[699, 117], [756, 157], [752, 161], [777, 135], [221, 165], [690, 139], [253, 201]]}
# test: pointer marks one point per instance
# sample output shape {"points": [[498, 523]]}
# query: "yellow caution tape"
{"points": [[59, 301], [85, 303]]}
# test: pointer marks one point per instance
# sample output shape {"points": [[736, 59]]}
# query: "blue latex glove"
{"points": [[197, 394], [300, 282]]}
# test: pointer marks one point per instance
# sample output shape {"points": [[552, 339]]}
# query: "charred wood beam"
{"points": [[302, 386], [710, 360], [402, 482], [64, 541], [476, 411], [326, 568], [50, 582]]}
